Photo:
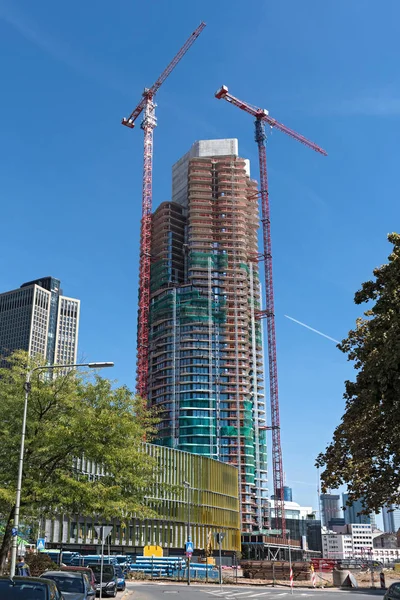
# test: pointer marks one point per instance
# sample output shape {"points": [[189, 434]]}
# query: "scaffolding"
{"points": [[206, 370]]}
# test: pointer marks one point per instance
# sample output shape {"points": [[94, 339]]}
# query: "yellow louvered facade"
{"points": [[214, 507]]}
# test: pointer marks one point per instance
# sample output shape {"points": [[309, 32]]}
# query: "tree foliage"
{"points": [[69, 417], [365, 451]]}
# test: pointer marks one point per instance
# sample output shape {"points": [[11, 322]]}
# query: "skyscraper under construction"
{"points": [[205, 352]]}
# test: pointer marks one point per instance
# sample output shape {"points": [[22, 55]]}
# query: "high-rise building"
{"points": [[351, 513], [330, 509], [205, 345], [287, 494], [391, 518], [38, 318]]}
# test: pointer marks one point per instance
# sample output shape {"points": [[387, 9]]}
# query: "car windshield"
{"points": [[395, 589], [22, 591], [118, 571], [67, 583], [108, 572]]}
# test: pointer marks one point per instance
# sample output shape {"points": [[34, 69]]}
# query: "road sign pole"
{"points": [[101, 563], [103, 531], [220, 558]]}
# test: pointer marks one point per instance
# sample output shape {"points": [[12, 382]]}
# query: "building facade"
{"points": [[355, 542], [214, 507], [385, 540], [391, 518], [205, 348], [330, 508], [287, 493], [38, 318], [352, 513]]}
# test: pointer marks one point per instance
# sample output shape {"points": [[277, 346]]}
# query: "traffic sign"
{"points": [[103, 531], [41, 543], [189, 548], [14, 531]]}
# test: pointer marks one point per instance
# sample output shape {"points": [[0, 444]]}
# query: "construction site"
{"points": [[202, 301]]}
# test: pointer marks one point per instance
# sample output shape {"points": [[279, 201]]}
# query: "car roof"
{"points": [[63, 573], [40, 580], [75, 568]]}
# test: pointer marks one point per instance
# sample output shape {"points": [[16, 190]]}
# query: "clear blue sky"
{"points": [[70, 174]]}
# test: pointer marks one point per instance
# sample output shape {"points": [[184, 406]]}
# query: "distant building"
{"points": [[287, 494], [38, 318], [352, 513], [301, 523], [355, 542], [330, 508], [314, 537], [391, 518], [336, 522], [385, 540]]}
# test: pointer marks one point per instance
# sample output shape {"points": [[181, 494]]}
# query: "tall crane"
{"points": [[262, 117], [149, 122]]}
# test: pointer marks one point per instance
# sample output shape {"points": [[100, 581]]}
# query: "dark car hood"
{"points": [[73, 595]]}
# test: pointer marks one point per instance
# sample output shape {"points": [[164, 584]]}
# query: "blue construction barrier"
{"points": [[172, 566]]}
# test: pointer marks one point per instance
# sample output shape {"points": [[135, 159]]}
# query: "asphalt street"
{"points": [[161, 591]]}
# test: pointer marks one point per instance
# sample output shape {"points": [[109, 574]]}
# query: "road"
{"points": [[166, 591]]}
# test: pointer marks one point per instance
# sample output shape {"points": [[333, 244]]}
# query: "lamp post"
{"points": [[189, 489], [27, 387]]}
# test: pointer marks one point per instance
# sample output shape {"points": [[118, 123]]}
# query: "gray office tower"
{"points": [[330, 509], [38, 318], [352, 513], [391, 518]]}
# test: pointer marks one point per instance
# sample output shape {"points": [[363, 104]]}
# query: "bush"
{"points": [[39, 563]]}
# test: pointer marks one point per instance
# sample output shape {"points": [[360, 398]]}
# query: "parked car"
{"points": [[121, 584], [29, 588], [73, 585], [109, 582], [393, 592], [87, 570]]}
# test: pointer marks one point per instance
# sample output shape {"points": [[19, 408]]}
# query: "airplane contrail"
{"points": [[314, 330]]}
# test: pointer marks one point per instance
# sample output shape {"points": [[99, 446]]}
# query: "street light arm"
{"points": [[91, 365]]}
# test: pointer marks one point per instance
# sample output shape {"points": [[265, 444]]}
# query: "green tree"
{"points": [[365, 451], [69, 417]]}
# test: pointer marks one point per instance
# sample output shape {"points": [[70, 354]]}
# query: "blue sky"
{"points": [[70, 175]]}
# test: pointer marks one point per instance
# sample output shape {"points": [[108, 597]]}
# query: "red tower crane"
{"points": [[147, 106], [262, 117]]}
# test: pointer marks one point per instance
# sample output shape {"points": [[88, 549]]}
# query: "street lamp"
{"points": [[27, 387], [189, 489]]}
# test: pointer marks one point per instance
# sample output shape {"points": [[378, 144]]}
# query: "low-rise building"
{"points": [[337, 545], [210, 505], [352, 541], [385, 540], [386, 555]]}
